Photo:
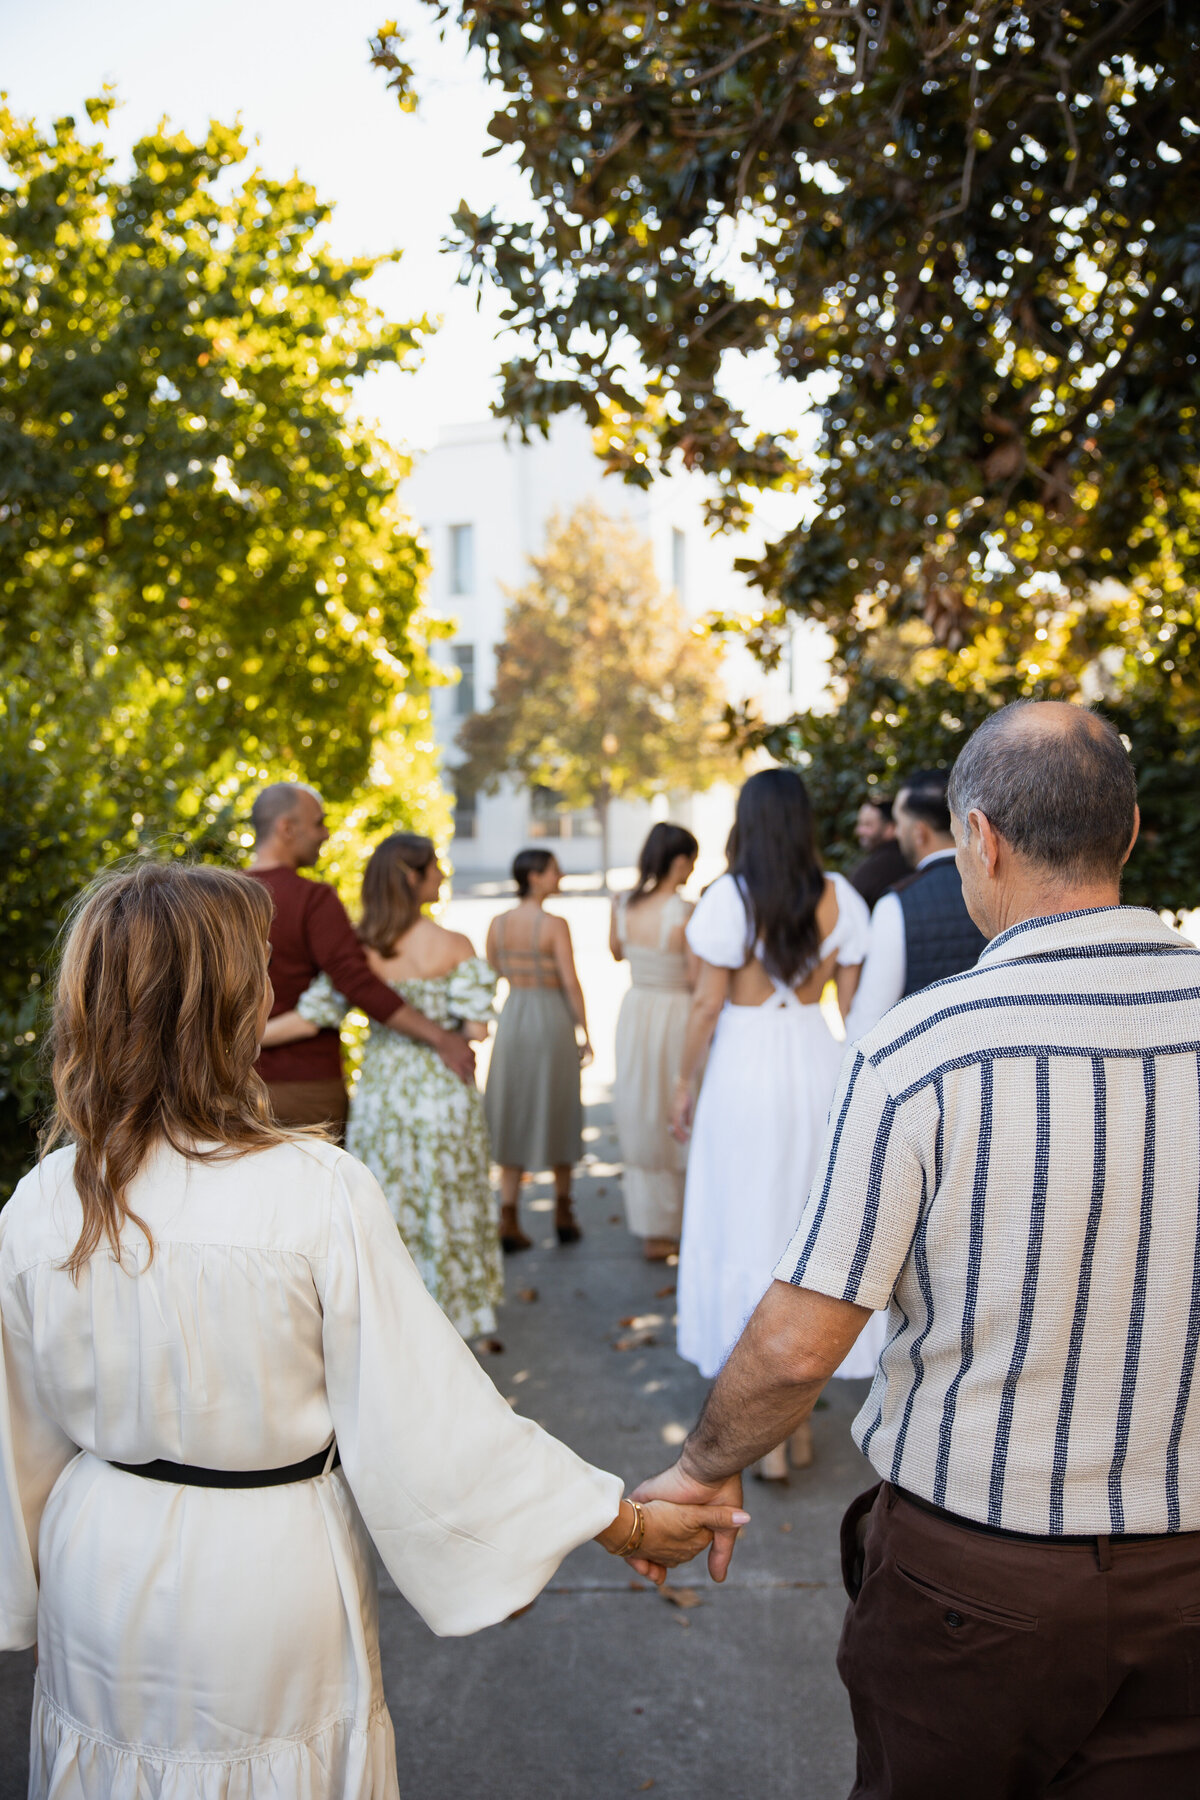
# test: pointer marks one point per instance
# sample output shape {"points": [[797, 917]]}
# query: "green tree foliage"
{"points": [[205, 581], [965, 233], [603, 685]]}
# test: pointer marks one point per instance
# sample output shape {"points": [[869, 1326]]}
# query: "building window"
{"points": [[464, 693], [462, 559], [549, 819], [679, 563], [466, 816]]}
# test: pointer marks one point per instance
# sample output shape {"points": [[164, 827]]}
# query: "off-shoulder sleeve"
{"points": [[471, 991], [719, 929], [471, 1507], [34, 1451], [853, 929], [321, 1004]]}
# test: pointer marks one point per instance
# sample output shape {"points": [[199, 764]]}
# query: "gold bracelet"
{"points": [[633, 1542]]}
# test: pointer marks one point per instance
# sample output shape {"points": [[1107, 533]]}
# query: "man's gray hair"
{"points": [[1061, 791], [275, 803]]}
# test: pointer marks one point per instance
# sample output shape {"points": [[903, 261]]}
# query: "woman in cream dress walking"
{"points": [[222, 1378], [647, 931]]}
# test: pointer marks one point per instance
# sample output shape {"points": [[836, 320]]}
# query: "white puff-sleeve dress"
{"points": [[221, 1644], [759, 1123]]}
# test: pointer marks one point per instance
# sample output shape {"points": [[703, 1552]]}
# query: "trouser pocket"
{"points": [[855, 1524]]}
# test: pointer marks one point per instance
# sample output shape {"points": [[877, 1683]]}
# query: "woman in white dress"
{"points": [[647, 931], [202, 1313], [769, 934]]}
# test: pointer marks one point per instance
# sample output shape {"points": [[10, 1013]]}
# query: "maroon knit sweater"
{"points": [[311, 933]]}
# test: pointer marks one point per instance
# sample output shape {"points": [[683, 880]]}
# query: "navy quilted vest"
{"points": [[940, 937]]}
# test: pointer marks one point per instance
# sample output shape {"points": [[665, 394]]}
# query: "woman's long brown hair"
{"points": [[155, 1032], [389, 889]]}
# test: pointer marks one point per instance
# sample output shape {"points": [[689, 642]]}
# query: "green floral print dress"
{"points": [[422, 1133]]}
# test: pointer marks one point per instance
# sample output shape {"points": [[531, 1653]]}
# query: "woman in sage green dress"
{"points": [[419, 1129], [534, 1111]]}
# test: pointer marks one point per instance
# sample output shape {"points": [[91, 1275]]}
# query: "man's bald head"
{"points": [[1057, 784], [279, 801]]}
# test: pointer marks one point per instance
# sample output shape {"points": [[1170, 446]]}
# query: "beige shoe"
{"points": [[773, 1466], [800, 1446]]}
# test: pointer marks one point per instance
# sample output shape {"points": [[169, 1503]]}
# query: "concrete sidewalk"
{"points": [[606, 1688]]}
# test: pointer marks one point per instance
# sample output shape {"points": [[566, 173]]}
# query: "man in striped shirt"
{"points": [[1013, 1168]]}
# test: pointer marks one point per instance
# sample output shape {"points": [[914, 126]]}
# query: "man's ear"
{"points": [[1137, 826], [986, 840]]}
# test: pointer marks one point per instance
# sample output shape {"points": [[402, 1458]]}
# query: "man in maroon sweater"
{"points": [[310, 933]]}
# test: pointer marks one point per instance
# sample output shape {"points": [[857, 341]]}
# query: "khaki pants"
{"points": [[310, 1103], [984, 1667]]}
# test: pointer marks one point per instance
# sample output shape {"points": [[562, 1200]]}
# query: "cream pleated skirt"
{"points": [[207, 1644]]}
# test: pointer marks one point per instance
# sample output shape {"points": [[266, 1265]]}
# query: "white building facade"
{"points": [[483, 504]]}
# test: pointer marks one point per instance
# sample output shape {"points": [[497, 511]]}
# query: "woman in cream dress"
{"points": [[647, 931], [769, 934], [419, 1129], [202, 1314]]}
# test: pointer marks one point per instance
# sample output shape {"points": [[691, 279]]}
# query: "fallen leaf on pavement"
{"points": [[602, 1191], [682, 1596], [528, 1295], [614, 1218], [637, 1340], [785, 1527], [646, 1784], [664, 1293]]}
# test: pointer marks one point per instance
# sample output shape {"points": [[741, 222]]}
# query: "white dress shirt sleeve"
{"points": [[884, 972]]}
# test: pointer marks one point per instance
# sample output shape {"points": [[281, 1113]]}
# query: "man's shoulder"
{"points": [[1047, 990]]}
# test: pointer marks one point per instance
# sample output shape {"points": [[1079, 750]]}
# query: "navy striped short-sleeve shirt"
{"points": [[1013, 1167]]}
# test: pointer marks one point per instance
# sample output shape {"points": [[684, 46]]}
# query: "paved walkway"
{"points": [[606, 1688]]}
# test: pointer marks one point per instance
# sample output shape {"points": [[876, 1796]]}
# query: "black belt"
{"points": [[1088, 1539], [187, 1475]]}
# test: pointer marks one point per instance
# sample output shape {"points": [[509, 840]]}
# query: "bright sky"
{"points": [[298, 75]]}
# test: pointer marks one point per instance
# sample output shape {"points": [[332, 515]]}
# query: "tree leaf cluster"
{"points": [[603, 685], [205, 579], [963, 236]]}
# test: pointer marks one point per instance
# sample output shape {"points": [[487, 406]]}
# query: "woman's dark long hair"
{"points": [[772, 851], [659, 851]]}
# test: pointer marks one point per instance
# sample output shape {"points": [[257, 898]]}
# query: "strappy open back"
{"points": [[525, 966]]}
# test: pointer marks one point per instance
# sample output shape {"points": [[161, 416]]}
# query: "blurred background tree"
{"points": [[963, 235], [205, 579], [604, 687]]}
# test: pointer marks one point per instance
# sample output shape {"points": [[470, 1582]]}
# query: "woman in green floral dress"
{"points": [[419, 1129]]}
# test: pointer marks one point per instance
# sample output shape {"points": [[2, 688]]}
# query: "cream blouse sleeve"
{"points": [[471, 1507], [719, 930], [34, 1451]]}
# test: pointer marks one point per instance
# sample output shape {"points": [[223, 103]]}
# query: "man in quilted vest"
{"points": [[922, 931]]}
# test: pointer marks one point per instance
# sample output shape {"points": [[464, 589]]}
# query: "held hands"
{"points": [[675, 1487], [668, 1533]]}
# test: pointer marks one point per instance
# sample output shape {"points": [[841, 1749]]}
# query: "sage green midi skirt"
{"points": [[534, 1113]]}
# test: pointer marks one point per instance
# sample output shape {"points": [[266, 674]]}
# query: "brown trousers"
{"points": [[989, 1668], [310, 1103]]}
